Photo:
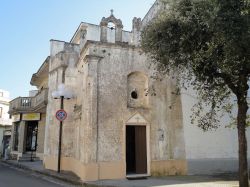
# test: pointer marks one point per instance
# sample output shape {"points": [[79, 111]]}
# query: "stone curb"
{"points": [[50, 174]]}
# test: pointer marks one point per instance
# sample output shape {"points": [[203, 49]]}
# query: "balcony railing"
{"points": [[27, 104]]}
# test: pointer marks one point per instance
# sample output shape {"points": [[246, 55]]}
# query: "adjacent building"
{"points": [[29, 114], [5, 121]]}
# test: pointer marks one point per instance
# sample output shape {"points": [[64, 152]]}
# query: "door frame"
{"points": [[147, 146], [26, 136]]}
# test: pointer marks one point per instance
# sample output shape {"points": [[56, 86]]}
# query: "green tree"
{"points": [[206, 43]]}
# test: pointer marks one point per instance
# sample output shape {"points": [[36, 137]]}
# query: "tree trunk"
{"points": [[241, 125]]}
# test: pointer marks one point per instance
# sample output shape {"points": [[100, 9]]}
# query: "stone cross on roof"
{"points": [[113, 19]]}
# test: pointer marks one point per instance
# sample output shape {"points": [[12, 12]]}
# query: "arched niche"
{"points": [[137, 85]]}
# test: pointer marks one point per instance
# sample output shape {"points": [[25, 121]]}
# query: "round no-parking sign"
{"points": [[61, 115]]}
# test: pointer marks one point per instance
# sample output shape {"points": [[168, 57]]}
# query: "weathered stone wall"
{"points": [[103, 76], [95, 128], [108, 105], [212, 149], [90, 32], [203, 149], [63, 56], [40, 135], [152, 12], [94, 131]]}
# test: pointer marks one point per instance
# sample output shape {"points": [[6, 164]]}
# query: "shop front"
{"points": [[25, 135]]}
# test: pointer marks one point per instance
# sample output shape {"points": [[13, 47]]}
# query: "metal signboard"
{"points": [[31, 117], [61, 115]]}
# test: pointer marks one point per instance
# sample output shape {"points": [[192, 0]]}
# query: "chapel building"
{"points": [[122, 121]]}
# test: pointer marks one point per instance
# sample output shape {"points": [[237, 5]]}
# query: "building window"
{"points": [[1, 112], [16, 134]]}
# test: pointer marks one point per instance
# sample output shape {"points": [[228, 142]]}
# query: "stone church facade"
{"points": [[116, 125], [122, 122]]}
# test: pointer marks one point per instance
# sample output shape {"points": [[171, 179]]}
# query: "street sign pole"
{"points": [[61, 115], [60, 139]]}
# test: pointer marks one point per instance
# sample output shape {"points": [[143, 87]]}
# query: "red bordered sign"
{"points": [[61, 115]]}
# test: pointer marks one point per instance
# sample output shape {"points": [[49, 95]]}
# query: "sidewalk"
{"points": [[37, 167], [170, 181]]}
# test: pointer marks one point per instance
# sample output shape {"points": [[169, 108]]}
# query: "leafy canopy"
{"points": [[207, 44]]}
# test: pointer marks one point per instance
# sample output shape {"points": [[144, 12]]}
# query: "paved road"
{"points": [[171, 181], [12, 177]]}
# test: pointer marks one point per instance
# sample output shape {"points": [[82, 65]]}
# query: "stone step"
{"points": [[27, 157]]}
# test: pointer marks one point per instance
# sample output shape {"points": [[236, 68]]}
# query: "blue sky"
{"points": [[27, 26]]}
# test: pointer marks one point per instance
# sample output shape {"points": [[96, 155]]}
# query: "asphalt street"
{"points": [[12, 177]]}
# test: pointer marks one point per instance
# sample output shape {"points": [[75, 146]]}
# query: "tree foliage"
{"points": [[207, 44]]}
